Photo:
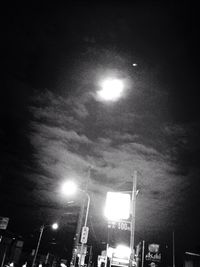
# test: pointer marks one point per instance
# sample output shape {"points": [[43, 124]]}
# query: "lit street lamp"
{"points": [[54, 227]]}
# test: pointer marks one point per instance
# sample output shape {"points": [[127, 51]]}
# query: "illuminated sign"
{"points": [[153, 256], [124, 225], [117, 206]]}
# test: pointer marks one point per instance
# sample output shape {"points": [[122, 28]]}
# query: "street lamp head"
{"points": [[111, 89], [68, 188], [54, 226]]}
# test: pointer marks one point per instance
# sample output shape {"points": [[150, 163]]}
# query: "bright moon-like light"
{"points": [[68, 188], [111, 89]]}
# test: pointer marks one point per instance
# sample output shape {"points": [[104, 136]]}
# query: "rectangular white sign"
{"points": [[84, 235], [117, 206]]}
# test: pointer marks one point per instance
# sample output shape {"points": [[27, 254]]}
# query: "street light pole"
{"points": [[38, 244], [79, 223], [132, 236], [87, 210], [54, 226], [85, 223], [77, 235]]}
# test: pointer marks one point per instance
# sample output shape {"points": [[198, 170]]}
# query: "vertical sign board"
{"points": [[84, 235], [4, 222], [118, 213], [153, 256]]}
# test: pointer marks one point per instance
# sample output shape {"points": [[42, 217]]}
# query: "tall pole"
{"points": [[85, 224], [4, 256], [143, 245], [38, 244], [90, 257], [78, 227], [132, 236], [77, 235], [173, 247], [87, 210]]}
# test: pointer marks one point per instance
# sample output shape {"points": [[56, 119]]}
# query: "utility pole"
{"points": [[38, 244], [77, 234], [132, 236], [86, 229], [173, 248], [79, 224], [143, 246], [90, 257], [4, 256]]}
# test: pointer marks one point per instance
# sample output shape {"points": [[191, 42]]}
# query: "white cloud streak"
{"points": [[65, 146]]}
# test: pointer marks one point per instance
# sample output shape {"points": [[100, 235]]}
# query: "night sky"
{"points": [[53, 127]]}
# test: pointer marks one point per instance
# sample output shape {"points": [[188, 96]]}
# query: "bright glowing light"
{"points": [[122, 251], [110, 252], [111, 89], [68, 188], [55, 226], [117, 206]]}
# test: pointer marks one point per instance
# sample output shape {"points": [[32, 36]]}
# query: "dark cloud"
{"points": [[64, 151]]}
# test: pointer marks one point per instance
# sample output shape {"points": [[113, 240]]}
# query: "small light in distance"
{"points": [[134, 64], [70, 202], [55, 226]]}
